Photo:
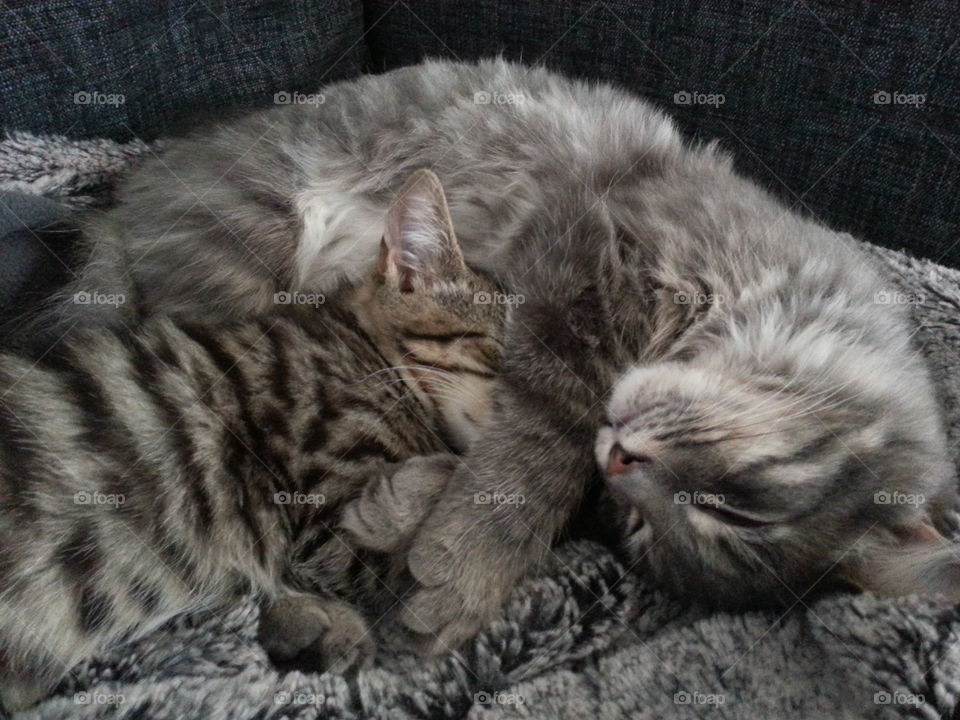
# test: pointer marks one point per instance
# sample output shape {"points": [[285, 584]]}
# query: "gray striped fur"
{"points": [[153, 471]]}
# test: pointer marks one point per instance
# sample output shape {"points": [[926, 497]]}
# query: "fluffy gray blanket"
{"points": [[583, 639]]}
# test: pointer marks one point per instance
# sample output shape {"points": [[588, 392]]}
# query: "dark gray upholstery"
{"points": [[124, 68], [790, 89]]}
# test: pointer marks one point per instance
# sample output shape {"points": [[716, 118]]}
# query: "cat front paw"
{"points": [[464, 573], [386, 516], [316, 634], [17, 693]]}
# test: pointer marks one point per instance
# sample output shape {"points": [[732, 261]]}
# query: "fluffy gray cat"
{"points": [[753, 396]]}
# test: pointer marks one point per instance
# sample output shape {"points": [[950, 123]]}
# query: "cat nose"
{"points": [[617, 461]]}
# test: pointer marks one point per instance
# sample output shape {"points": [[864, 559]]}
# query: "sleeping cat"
{"points": [[758, 361], [148, 472]]}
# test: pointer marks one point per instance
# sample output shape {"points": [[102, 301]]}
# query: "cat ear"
{"points": [[914, 560], [419, 246]]}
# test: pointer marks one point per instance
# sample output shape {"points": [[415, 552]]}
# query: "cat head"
{"points": [[436, 320], [739, 488]]}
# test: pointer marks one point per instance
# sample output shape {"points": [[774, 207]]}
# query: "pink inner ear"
{"points": [[406, 280], [419, 246], [922, 533], [386, 260]]}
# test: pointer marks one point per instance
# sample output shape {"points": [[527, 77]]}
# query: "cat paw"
{"points": [[17, 694], [386, 516], [314, 634], [463, 578]]}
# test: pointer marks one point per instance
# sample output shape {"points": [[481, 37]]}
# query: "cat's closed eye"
{"points": [[725, 514]]}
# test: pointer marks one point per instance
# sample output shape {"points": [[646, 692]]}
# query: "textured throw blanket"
{"points": [[584, 639]]}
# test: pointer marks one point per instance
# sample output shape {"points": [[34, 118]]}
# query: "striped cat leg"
{"points": [[318, 632]]}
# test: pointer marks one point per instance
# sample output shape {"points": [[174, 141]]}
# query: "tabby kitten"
{"points": [[147, 473], [631, 249]]}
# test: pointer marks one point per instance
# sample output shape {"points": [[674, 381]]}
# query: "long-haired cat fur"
{"points": [[670, 306]]}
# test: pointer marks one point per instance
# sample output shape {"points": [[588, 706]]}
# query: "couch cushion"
{"points": [[847, 111], [121, 69]]}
